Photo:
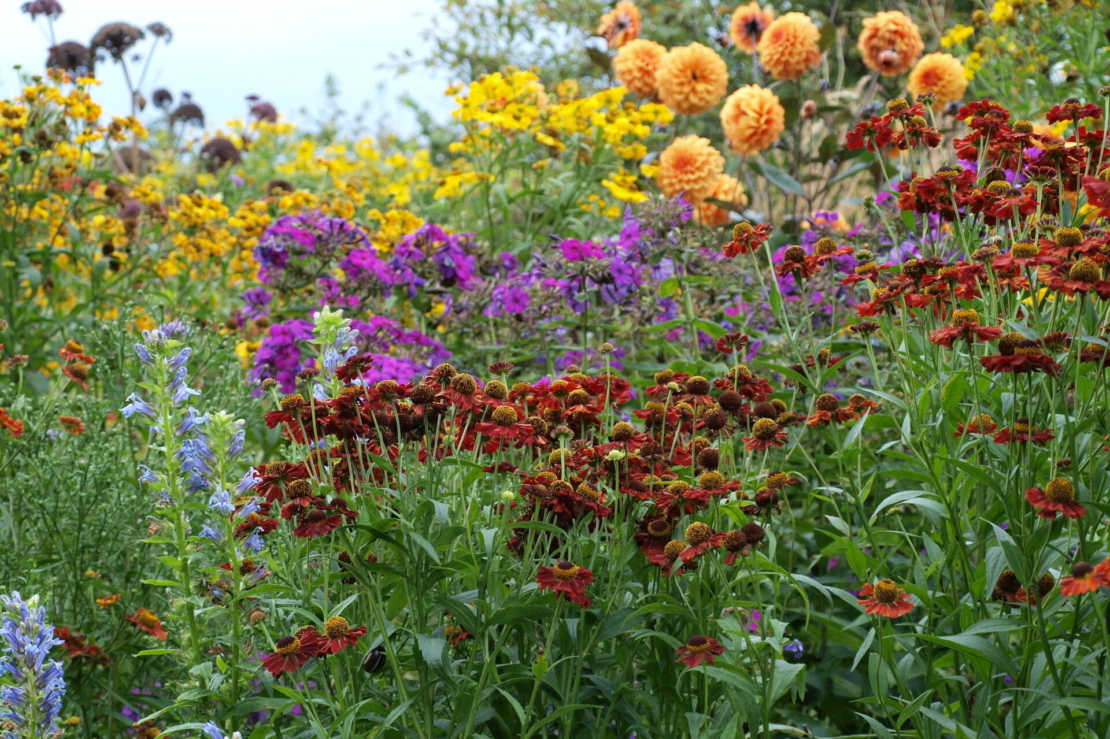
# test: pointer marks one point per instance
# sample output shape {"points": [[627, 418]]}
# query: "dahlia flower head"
{"points": [[890, 43], [728, 190], [747, 24], [621, 25], [689, 167], [752, 119], [941, 74], [789, 46], [691, 79], [637, 64]]}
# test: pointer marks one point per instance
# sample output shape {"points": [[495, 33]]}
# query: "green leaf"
{"points": [[977, 646], [1084, 704], [1013, 553], [827, 37], [780, 179], [786, 675], [559, 713], [919, 498], [994, 626], [517, 614], [855, 431], [863, 648], [431, 648]]}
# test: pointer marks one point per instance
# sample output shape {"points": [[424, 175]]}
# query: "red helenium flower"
{"points": [[567, 579]]}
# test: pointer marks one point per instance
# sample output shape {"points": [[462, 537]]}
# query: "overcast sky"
{"points": [[224, 50]]}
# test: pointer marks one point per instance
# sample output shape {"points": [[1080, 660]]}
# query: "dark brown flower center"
{"points": [[1060, 490], [1081, 570], [566, 571], [288, 645], [886, 592], [698, 644]]}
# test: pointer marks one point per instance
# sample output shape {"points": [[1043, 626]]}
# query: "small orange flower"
{"points": [[752, 119], [72, 424], [728, 190], [789, 46], [747, 26], [1085, 578], [149, 622], [14, 427], [621, 24], [885, 598], [692, 79], [79, 373], [111, 600], [689, 166], [636, 65], [890, 42], [941, 74]]}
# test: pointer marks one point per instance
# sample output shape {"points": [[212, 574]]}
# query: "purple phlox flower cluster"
{"points": [[426, 255], [411, 353], [257, 301], [279, 355], [331, 293], [32, 702], [507, 299], [448, 252], [292, 240]]}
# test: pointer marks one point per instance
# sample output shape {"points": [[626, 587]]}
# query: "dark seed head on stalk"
{"points": [[71, 56], [188, 112], [115, 39]]}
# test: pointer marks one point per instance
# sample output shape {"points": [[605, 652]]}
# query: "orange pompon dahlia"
{"points": [[752, 119], [636, 65], [789, 46], [747, 26], [691, 79], [885, 598], [941, 74], [890, 42], [689, 167], [728, 190], [621, 24]]}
